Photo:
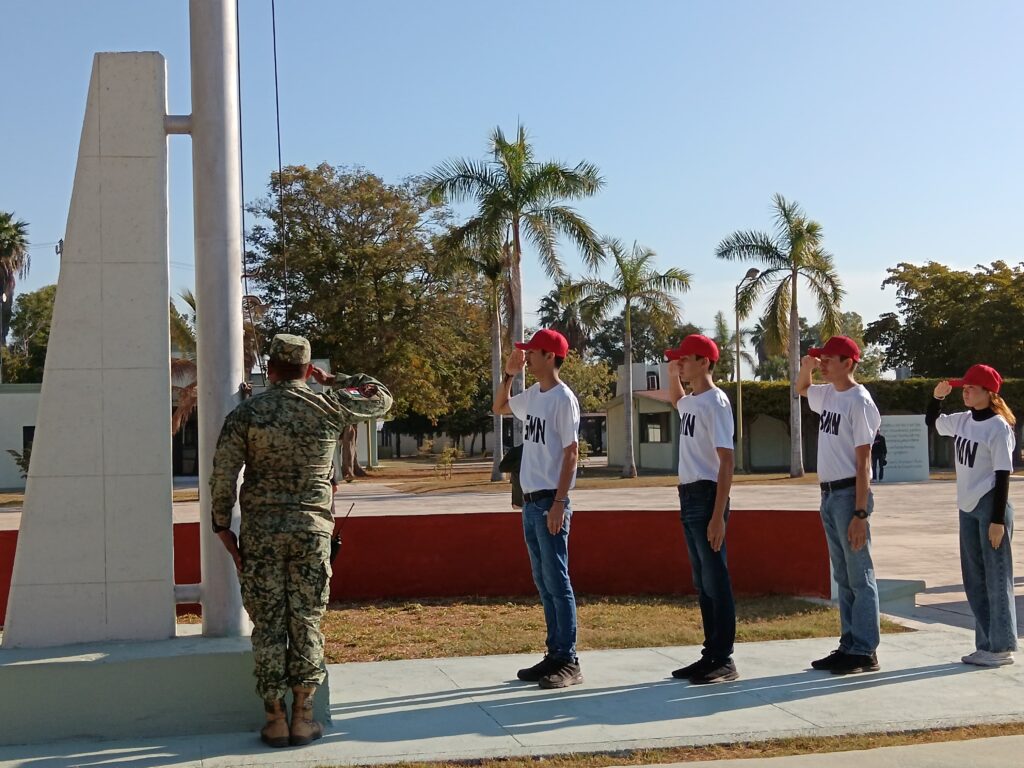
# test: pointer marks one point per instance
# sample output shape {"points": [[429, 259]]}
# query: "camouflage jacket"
{"points": [[285, 437]]}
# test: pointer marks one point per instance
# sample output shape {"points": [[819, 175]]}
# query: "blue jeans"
{"points": [[854, 573], [549, 561], [710, 569], [988, 578]]}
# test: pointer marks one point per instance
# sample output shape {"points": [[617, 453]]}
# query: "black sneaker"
{"points": [[537, 671], [831, 661], [853, 664], [719, 672], [685, 673], [565, 674]]}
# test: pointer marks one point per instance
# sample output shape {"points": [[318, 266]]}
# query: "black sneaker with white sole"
{"points": [[685, 673], [719, 672], [831, 661], [566, 673], [855, 663], [537, 671]]}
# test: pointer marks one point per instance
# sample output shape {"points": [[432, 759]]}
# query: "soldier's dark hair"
{"points": [[287, 371]]}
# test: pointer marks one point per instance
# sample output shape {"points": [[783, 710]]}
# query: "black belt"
{"points": [[539, 495], [696, 484], [838, 485]]}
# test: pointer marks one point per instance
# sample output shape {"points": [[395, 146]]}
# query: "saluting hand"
{"points": [[942, 389], [321, 376], [516, 362], [809, 362]]}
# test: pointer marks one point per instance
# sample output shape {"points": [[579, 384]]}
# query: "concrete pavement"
{"points": [[469, 708]]}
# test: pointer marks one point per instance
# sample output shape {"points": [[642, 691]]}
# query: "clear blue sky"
{"points": [[896, 125]]}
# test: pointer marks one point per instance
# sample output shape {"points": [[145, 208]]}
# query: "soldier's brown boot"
{"points": [[304, 728], [275, 733]]}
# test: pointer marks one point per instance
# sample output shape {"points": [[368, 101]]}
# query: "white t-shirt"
{"points": [[981, 448], [552, 425], [705, 424], [849, 419]]}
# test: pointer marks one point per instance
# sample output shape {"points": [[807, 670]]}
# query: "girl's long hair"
{"points": [[1002, 409]]}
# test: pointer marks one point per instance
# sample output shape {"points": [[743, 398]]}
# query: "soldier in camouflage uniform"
{"points": [[286, 437]]}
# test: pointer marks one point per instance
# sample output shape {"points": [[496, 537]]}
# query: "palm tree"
{"points": [[633, 284], [14, 263], [574, 319], [725, 338], [792, 252], [490, 260], [518, 198]]}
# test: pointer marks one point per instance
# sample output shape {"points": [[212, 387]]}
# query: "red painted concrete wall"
{"points": [[610, 553]]}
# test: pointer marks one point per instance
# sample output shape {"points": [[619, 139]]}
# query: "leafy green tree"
{"points": [[25, 357], [948, 319], [592, 381], [362, 278], [517, 199], [634, 283], [14, 265], [792, 252], [652, 332]]}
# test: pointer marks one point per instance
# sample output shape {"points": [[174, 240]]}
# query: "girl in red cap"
{"points": [[984, 460]]}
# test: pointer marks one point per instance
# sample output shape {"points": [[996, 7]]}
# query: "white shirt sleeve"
{"points": [[723, 424], [568, 420], [947, 423], [865, 421], [519, 404], [1002, 447], [816, 396]]}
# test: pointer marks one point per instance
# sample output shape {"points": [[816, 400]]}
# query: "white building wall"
{"points": [[18, 406]]}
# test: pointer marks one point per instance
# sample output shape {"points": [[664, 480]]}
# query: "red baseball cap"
{"points": [[546, 340], [980, 376], [839, 346], [694, 344]]}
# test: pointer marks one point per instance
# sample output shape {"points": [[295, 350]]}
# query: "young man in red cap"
{"points": [[705, 479], [984, 461], [547, 474], [848, 422]]}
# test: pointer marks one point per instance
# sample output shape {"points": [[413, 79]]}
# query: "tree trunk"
{"points": [[628, 461], [796, 444], [349, 459], [516, 281], [497, 371]]}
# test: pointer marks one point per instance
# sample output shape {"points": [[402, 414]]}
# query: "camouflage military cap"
{"points": [[289, 349]]}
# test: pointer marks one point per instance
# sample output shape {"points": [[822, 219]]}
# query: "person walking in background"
{"points": [[547, 473], [878, 454], [285, 438], [705, 479], [847, 426], [984, 441]]}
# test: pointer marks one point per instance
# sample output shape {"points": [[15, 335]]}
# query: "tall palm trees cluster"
{"points": [[14, 264], [519, 200]]}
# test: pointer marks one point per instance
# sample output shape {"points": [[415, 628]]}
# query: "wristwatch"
{"points": [[861, 513]]}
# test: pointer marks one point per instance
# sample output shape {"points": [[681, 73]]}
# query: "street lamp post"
{"points": [[752, 273]]}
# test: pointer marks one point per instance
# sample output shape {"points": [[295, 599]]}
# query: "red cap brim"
{"points": [[955, 382], [815, 351], [523, 345], [672, 354]]}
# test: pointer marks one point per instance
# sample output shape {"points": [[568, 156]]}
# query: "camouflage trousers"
{"points": [[285, 585]]}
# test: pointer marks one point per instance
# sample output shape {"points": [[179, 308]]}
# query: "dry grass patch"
{"points": [[754, 749], [486, 626]]}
